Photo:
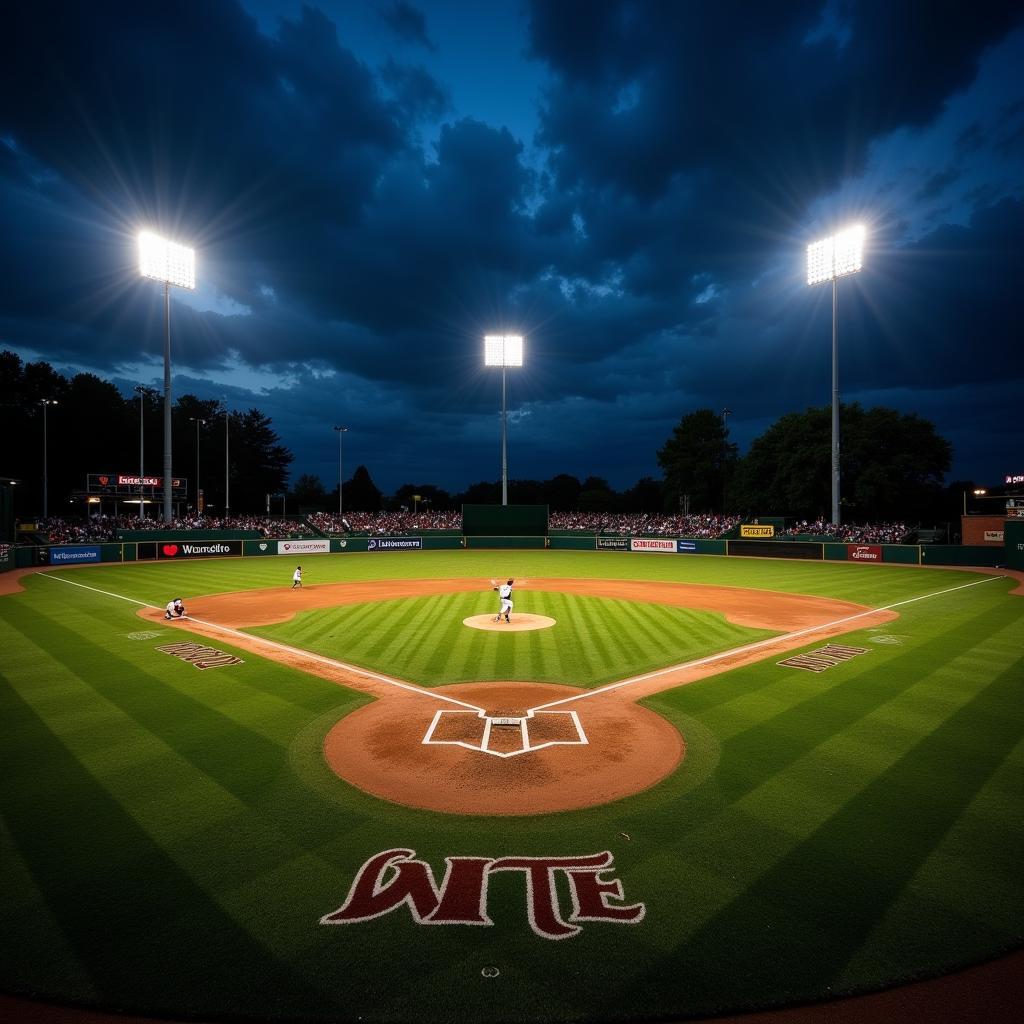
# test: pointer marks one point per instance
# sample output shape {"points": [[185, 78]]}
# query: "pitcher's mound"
{"points": [[519, 624]]}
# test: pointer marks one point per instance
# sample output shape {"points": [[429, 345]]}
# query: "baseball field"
{"points": [[670, 786]]}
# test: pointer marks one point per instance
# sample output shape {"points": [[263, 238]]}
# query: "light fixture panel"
{"points": [[836, 256], [503, 350], [161, 260]]}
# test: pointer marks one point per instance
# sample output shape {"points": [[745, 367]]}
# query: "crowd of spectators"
{"points": [[57, 530], [644, 523], [381, 523], [852, 533]]}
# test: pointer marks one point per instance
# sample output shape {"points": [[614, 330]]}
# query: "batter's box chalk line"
{"points": [[487, 732]]}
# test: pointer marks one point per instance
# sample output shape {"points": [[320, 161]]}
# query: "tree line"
{"points": [[893, 464], [93, 428]]}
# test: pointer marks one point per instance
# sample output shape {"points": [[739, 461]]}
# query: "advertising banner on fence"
{"points": [[994, 535], [612, 543], [302, 547], [73, 555], [5, 556], [393, 543], [864, 552], [652, 544], [200, 549], [685, 546], [757, 530]]}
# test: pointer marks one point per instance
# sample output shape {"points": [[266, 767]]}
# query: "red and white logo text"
{"points": [[395, 878]]}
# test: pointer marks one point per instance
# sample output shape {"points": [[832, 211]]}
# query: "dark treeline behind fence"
{"points": [[93, 428], [893, 463]]}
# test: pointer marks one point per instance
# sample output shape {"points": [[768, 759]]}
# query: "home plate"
{"points": [[520, 622]]}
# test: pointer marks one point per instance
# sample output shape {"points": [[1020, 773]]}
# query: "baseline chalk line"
{"points": [[298, 651]]}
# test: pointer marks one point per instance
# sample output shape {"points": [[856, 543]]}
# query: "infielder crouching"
{"points": [[175, 609], [505, 593]]}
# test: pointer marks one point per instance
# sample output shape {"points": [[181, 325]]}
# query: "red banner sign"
{"points": [[864, 552]]}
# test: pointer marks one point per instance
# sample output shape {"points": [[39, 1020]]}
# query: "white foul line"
{"points": [[722, 655], [251, 637], [758, 644]]}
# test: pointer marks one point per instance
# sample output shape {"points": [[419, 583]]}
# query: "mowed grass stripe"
{"points": [[849, 692], [101, 866], [594, 641], [918, 816]]}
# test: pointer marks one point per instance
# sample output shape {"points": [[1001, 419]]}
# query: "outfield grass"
{"points": [[170, 837]]}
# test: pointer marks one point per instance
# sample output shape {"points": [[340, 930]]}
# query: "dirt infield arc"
{"points": [[381, 749]]}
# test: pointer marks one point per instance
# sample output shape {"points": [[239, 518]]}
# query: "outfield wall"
{"points": [[219, 545]]}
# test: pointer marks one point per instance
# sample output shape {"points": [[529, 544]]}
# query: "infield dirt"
{"points": [[380, 748]]}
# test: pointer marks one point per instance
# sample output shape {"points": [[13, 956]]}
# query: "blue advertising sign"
{"points": [[393, 543], [65, 555], [686, 545]]}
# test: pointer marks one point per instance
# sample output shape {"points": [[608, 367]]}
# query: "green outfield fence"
{"points": [[212, 543]]}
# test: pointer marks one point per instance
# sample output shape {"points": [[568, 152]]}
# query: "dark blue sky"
{"points": [[373, 186]]}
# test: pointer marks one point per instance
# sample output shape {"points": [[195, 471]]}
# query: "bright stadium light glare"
{"points": [[161, 260], [828, 260], [503, 350], [836, 256]]}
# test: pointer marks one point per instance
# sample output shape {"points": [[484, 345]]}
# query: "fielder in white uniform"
{"points": [[175, 609], [297, 577], [505, 593]]}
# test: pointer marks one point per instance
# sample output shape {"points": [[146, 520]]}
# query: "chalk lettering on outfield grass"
{"points": [[200, 656], [144, 635], [395, 878], [824, 657]]}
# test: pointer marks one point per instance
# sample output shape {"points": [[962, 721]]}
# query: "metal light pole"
{"points": [[227, 463], [199, 423], [46, 402], [141, 391], [164, 261], [503, 350], [726, 413], [828, 260], [341, 432]]}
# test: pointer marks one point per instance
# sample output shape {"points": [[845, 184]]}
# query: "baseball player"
{"points": [[297, 577], [505, 593], [175, 609]]}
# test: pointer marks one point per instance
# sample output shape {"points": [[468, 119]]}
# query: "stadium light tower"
{"points": [[46, 403], [342, 431], [160, 260], [199, 422], [227, 463], [503, 350], [141, 392], [828, 260]]}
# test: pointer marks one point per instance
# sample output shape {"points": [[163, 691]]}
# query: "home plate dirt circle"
{"points": [[448, 757], [519, 623]]}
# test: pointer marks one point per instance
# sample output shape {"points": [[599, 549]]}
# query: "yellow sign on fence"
{"points": [[756, 530]]}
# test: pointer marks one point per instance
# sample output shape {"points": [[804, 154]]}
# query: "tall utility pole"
{"points": [[142, 447], [199, 422], [342, 431], [46, 403], [227, 465]]}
